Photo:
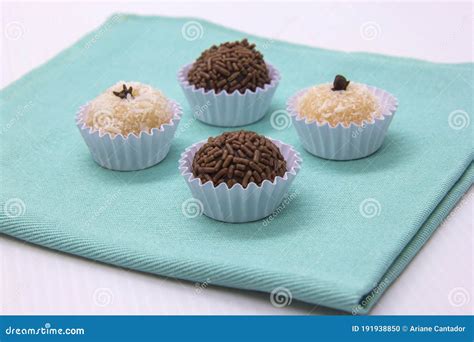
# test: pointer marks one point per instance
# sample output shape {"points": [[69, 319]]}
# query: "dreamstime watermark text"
{"points": [[47, 329], [285, 203], [365, 302]]}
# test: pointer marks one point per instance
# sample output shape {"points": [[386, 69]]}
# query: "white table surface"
{"points": [[35, 280]]}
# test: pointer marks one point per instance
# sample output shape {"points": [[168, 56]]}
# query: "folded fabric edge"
{"points": [[304, 289], [313, 291], [277, 284], [435, 219]]}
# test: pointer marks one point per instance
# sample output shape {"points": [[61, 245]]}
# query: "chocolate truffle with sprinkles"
{"points": [[241, 157], [231, 66]]}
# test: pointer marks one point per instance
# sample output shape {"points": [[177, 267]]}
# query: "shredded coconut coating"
{"points": [[146, 108], [324, 105]]}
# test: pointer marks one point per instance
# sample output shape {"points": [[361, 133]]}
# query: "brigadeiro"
{"points": [[239, 176], [231, 66], [229, 84], [238, 157]]}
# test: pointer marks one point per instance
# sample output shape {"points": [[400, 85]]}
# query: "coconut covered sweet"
{"points": [[128, 107], [342, 102]]}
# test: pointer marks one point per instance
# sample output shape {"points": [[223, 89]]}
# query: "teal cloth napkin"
{"points": [[347, 229]]}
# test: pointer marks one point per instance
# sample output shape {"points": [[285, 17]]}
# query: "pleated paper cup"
{"points": [[131, 152], [341, 142], [238, 204], [229, 110]]}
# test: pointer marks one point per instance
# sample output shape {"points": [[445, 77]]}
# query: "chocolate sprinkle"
{"points": [[124, 92], [242, 157], [231, 66], [340, 83]]}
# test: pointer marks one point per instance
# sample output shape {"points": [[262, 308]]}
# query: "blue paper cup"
{"points": [[229, 110], [131, 152], [344, 142], [238, 204]]}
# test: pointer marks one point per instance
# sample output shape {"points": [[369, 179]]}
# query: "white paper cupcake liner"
{"points": [[239, 204], [340, 142], [229, 110], [133, 152]]}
